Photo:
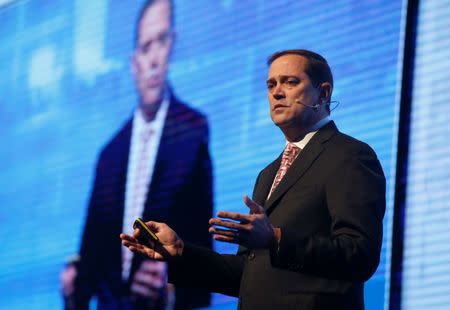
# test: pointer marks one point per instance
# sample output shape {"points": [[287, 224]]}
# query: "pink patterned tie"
{"points": [[289, 155]]}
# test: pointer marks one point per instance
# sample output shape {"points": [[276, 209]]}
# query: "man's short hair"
{"points": [[317, 67], [145, 6]]}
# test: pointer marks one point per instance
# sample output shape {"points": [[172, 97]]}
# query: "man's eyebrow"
{"points": [[282, 77], [145, 44], [289, 76]]}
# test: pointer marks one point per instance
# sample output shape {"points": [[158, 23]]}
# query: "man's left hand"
{"points": [[253, 230]]}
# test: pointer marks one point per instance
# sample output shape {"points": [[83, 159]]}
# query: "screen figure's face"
{"points": [[287, 86], [151, 57]]}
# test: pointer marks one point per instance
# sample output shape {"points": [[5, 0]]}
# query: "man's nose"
{"points": [[278, 92], [153, 60], [152, 57]]}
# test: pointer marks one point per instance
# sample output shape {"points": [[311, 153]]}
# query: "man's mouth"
{"points": [[279, 106], [153, 82], [152, 78]]}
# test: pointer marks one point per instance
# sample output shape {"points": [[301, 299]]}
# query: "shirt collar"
{"points": [[140, 120], [142, 125], [315, 128]]}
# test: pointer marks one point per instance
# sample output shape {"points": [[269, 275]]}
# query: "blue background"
{"points": [[66, 87], [426, 261]]}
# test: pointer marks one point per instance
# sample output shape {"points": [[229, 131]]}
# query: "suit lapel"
{"points": [[117, 166], [121, 155], [163, 159], [264, 183], [301, 164]]}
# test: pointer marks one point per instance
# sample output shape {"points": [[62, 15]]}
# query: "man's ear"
{"points": [[325, 92]]}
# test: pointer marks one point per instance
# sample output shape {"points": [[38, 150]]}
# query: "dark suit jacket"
{"points": [[180, 194], [330, 207]]}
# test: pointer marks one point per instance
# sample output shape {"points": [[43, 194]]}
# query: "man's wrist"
{"points": [[179, 247], [277, 237]]}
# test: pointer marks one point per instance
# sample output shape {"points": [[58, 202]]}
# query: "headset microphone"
{"points": [[315, 106]]}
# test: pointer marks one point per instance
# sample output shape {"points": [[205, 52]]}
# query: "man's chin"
{"points": [[149, 107], [151, 98], [281, 121]]}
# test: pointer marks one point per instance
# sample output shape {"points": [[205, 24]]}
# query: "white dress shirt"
{"points": [[145, 139]]}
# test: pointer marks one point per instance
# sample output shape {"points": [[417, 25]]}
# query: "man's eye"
{"points": [[292, 82], [144, 48], [270, 85], [163, 38]]}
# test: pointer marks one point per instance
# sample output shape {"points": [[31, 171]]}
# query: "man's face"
{"points": [[150, 59], [286, 83]]}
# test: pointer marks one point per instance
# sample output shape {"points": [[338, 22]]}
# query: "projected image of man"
{"points": [[156, 167]]}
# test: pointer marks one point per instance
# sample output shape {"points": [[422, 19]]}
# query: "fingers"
{"points": [[154, 267], [226, 239], [150, 253], [243, 218], [243, 229], [67, 278], [228, 224], [149, 279], [143, 290], [229, 235], [223, 232], [131, 243], [128, 238], [134, 246], [154, 226], [253, 206], [231, 231], [153, 280]]}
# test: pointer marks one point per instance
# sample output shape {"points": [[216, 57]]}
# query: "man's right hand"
{"points": [[169, 245]]}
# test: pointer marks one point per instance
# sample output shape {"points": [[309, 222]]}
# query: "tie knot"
{"points": [[146, 134], [289, 155], [291, 151]]}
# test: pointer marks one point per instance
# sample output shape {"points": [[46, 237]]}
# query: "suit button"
{"points": [[251, 256]]}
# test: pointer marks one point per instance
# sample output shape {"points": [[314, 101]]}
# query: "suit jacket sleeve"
{"points": [[200, 267], [355, 196]]}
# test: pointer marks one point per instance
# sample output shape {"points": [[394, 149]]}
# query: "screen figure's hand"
{"points": [[67, 280], [149, 286]]}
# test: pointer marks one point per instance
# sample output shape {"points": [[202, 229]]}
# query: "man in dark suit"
{"points": [[156, 167], [314, 231]]}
